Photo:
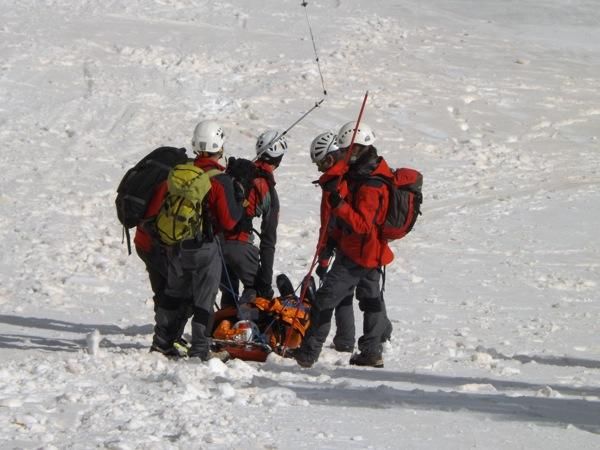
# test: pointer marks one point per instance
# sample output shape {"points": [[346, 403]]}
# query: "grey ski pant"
{"points": [[344, 323], [194, 272], [242, 260], [340, 282]]}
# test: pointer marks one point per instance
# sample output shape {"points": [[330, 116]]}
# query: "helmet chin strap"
{"points": [[358, 152], [216, 156]]}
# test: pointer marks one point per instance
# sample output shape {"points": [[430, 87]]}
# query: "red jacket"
{"points": [[143, 239], [360, 215], [327, 230], [225, 209]]}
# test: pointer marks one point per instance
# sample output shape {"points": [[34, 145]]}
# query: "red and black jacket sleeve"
{"points": [[330, 181], [143, 239], [268, 240], [368, 201], [226, 209]]}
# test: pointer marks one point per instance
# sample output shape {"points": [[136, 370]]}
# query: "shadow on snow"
{"points": [[563, 361], [457, 381], [28, 342], [580, 413], [552, 411]]}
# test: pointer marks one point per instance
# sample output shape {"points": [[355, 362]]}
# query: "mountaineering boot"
{"points": [[165, 331], [310, 349], [303, 359], [184, 312], [221, 355], [200, 347], [284, 285], [365, 359], [182, 346], [167, 349]]}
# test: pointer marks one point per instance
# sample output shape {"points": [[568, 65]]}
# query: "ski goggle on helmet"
{"points": [[322, 145], [271, 144], [208, 137], [364, 135]]}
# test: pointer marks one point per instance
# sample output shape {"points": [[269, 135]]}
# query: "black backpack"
{"points": [[245, 172], [137, 186]]}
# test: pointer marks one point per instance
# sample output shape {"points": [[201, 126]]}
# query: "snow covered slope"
{"points": [[494, 296]]}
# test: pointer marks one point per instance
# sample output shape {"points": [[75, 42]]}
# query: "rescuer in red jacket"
{"points": [[248, 263], [329, 158], [358, 204], [194, 265]]}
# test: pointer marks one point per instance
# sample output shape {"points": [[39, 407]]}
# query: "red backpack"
{"points": [[404, 204]]}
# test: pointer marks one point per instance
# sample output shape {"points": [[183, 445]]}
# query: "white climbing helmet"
{"points": [[364, 135], [208, 137], [322, 145], [271, 143]]}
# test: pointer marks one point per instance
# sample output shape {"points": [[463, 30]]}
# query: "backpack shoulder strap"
{"points": [[262, 173], [213, 172], [206, 217], [354, 184], [378, 180]]}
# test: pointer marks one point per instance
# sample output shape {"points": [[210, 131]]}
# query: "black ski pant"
{"points": [[242, 262], [167, 310], [156, 265], [344, 277], [194, 272]]}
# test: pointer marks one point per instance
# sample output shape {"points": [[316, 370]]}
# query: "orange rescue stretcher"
{"points": [[255, 329]]}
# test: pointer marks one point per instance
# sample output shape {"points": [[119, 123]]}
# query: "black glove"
{"points": [[265, 292], [327, 252], [248, 296], [331, 185], [243, 171], [322, 268], [263, 289], [335, 199]]}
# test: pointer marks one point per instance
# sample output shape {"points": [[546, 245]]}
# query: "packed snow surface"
{"points": [[493, 297]]}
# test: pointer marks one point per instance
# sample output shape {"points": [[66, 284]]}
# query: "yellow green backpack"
{"points": [[180, 216]]}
